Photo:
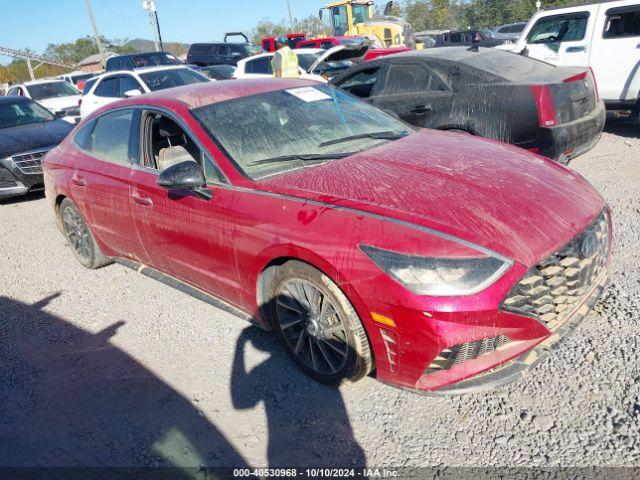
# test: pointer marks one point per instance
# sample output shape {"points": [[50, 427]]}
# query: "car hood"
{"points": [[60, 103], [497, 196], [25, 138], [355, 52]]}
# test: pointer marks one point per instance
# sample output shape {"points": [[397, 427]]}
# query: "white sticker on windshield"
{"points": [[308, 94]]}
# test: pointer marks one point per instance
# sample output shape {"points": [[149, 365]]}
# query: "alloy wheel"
{"points": [[312, 326], [78, 234]]}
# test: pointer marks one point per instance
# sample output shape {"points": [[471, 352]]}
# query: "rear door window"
{"points": [[411, 78], [108, 87], [622, 22], [570, 27], [260, 66]]}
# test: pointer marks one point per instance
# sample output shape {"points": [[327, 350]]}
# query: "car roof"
{"points": [[140, 70], [200, 94], [454, 54], [13, 99], [41, 81], [140, 54]]}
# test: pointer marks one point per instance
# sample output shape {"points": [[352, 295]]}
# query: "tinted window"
{"points": [[622, 22], [259, 65], [153, 59], [176, 77], [127, 83], [308, 45], [410, 78], [108, 87], [89, 85], [455, 38], [361, 84], [326, 45], [223, 50], [559, 28], [110, 137], [200, 49]]}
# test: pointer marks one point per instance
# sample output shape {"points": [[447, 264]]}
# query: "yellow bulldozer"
{"points": [[356, 17]]}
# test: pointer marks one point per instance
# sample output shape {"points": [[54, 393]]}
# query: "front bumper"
{"points": [[15, 182]]}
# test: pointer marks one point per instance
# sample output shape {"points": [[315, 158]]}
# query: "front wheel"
{"points": [[317, 325], [80, 238]]}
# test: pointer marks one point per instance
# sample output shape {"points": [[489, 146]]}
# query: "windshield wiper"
{"points": [[310, 157], [388, 135]]}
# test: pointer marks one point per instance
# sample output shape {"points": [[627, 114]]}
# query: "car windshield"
{"points": [[22, 112], [279, 131], [78, 78], [163, 79], [42, 91]]}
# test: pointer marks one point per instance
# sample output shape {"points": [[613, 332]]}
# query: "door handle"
{"points": [[578, 49], [422, 109], [78, 181], [142, 201]]}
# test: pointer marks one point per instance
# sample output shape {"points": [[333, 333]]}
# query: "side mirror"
{"points": [[132, 93], [185, 176], [60, 114]]}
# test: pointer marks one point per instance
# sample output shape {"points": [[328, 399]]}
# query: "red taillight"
{"points": [[576, 78], [544, 102], [595, 83]]}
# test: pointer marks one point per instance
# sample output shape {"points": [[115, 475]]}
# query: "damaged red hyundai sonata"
{"points": [[433, 261]]}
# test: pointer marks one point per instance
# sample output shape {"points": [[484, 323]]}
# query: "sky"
{"points": [[36, 23]]}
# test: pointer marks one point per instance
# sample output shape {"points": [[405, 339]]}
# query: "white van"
{"points": [[604, 36]]}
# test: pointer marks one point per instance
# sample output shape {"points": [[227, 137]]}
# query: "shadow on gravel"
{"points": [[308, 423], [622, 127], [69, 398], [29, 197]]}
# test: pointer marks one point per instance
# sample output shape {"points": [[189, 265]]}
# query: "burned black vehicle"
{"points": [[553, 111], [27, 132]]}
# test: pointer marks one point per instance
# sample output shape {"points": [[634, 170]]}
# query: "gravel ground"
{"points": [[110, 368]]}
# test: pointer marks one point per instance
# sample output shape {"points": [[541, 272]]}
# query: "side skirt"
{"points": [[188, 289]]}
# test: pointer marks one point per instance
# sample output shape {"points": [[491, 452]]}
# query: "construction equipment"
{"points": [[356, 17], [28, 56]]}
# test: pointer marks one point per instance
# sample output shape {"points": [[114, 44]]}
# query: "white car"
{"points": [[57, 96], [77, 78], [604, 36], [112, 86], [314, 63]]}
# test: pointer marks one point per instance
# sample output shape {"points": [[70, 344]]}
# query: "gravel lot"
{"points": [[111, 368]]}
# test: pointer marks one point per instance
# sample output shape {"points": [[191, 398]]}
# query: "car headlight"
{"points": [[440, 277]]}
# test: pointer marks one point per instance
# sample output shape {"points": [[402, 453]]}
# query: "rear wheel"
{"points": [[317, 325], [80, 238]]}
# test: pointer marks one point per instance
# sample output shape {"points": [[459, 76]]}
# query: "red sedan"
{"points": [[435, 261]]}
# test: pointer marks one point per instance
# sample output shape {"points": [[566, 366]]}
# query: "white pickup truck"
{"points": [[604, 36]]}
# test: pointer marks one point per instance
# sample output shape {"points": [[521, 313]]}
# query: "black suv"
{"points": [[140, 60], [221, 53]]}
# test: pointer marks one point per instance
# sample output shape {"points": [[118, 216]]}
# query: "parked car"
{"points": [[314, 63], [77, 78], [603, 36], [552, 111], [509, 31], [482, 38], [374, 51], [438, 262], [140, 60], [61, 98], [268, 44], [27, 132], [221, 53], [128, 83]]}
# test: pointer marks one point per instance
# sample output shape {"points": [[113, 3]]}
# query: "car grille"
{"points": [[30, 163], [467, 351], [553, 288]]}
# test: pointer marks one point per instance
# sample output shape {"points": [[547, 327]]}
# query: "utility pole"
{"points": [[290, 17], [150, 6], [95, 32]]}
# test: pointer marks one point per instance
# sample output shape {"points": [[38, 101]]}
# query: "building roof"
{"points": [[95, 58]]}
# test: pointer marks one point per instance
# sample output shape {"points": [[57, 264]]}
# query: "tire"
{"points": [[81, 240], [317, 325]]}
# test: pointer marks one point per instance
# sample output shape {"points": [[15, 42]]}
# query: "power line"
{"points": [[28, 56]]}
